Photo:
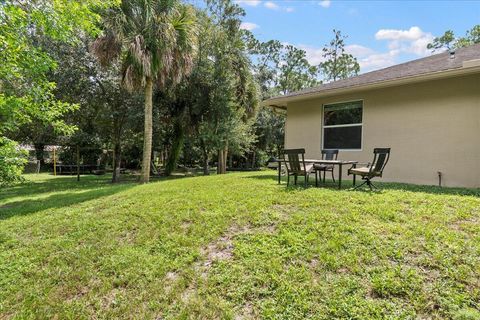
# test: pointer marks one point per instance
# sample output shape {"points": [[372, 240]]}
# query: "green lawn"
{"points": [[237, 246]]}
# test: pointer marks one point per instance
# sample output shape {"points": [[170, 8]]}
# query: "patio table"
{"points": [[339, 163]]}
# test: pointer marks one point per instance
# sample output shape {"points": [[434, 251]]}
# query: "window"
{"points": [[342, 125]]}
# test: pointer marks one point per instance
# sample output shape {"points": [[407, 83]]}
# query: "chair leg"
{"points": [[295, 179], [288, 179], [333, 177], [316, 178], [324, 176], [306, 179], [369, 183], [361, 184]]}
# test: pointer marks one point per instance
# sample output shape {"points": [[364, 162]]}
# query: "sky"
{"points": [[380, 33]]}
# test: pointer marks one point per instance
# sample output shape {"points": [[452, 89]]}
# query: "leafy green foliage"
{"points": [[280, 68], [449, 41], [155, 42], [270, 130], [25, 91], [12, 161], [444, 41], [223, 95], [338, 64]]}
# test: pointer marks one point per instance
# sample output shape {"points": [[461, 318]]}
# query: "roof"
{"points": [[464, 58]]}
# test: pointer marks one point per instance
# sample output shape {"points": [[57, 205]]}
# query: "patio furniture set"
{"points": [[296, 165]]}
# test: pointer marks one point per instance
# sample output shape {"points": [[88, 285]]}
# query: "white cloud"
{"points": [[271, 5], [413, 33], [267, 4], [376, 61], [369, 59], [252, 3], [358, 50], [413, 40], [249, 26], [325, 3]]}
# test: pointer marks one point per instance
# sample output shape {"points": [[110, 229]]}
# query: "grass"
{"points": [[237, 246]]}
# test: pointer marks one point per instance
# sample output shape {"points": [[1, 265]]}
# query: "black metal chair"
{"points": [[373, 169], [295, 164], [326, 155]]}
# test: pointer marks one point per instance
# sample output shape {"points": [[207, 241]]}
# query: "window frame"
{"points": [[323, 126]]}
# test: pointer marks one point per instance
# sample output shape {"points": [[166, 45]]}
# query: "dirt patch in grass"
{"points": [[186, 225], [222, 248], [246, 313], [218, 250], [111, 299], [284, 210], [281, 212]]}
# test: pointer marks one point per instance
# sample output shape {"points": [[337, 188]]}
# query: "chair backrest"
{"points": [[329, 154], [380, 159], [294, 160]]}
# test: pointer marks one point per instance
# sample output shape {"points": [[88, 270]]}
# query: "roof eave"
{"points": [[278, 102]]}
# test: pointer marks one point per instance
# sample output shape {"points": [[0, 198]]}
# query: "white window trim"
{"points": [[341, 125]]}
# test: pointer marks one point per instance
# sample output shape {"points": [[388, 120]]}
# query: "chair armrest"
{"points": [[355, 165]]}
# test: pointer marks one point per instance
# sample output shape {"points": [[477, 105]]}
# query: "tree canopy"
{"points": [[448, 40], [184, 81]]}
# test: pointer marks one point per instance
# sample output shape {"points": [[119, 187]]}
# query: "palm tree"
{"points": [[155, 42]]}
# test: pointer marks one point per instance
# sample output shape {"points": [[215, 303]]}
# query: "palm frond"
{"points": [[106, 48], [155, 38]]}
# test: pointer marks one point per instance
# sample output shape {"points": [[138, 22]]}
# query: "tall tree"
{"points": [[155, 41], [279, 69], [295, 72], [338, 64], [235, 95], [449, 41], [26, 94]]}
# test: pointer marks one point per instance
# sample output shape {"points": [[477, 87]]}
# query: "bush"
{"points": [[12, 161]]}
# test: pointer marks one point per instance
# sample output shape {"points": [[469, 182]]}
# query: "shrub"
{"points": [[12, 161]]}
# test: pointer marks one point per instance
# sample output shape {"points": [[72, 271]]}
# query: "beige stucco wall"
{"points": [[431, 126]]}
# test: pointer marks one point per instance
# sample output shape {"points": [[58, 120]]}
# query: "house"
{"points": [[427, 111]]}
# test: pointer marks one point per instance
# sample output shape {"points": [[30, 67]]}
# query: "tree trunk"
{"points": [[39, 152], [225, 157], [219, 161], [254, 160], [206, 169], [116, 162], [177, 146], [222, 160], [147, 139]]}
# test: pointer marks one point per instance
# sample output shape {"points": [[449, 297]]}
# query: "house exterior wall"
{"points": [[431, 126]]}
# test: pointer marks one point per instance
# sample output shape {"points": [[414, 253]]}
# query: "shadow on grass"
{"points": [[23, 199], [347, 185], [29, 206], [31, 196], [53, 184]]}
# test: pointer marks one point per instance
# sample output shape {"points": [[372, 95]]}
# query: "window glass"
{"points": [[342, 127], [343, 113], [343, 138]]}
